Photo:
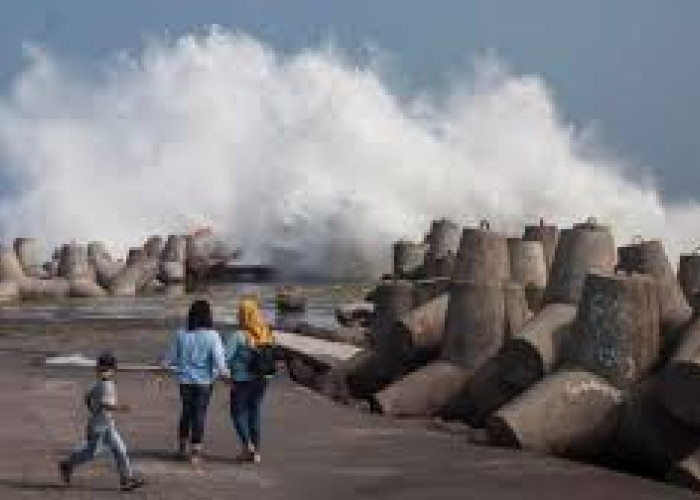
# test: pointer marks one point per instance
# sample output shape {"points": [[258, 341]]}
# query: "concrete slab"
{"points": [[319, 349]]}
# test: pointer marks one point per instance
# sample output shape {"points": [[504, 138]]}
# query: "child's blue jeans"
{"points": [[99, 437]]}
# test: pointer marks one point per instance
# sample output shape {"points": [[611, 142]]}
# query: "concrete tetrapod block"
{"points": [[74, 263], [345, 380], [355, 313], [201, 249], [528, 354], [31, 256], [9, 291], [135, 254], [474, 329], [536, 349], [570, 413], [132, 278], [172, 272], [649, 257], [38, 289], [485, 391], [392, 299], [442, 267], [442, 239], [528, 267], [584, 248], [98, 249], [680, 380], [427, 289], [303, 373], [370, 371], [408, 258], [175, 249], [548, 235], [482, 257], [154, 287], [51, 269], [422, 329], [153, 247], [106, 270], [616, 332], [86, 288], [649, 440], [686, 473], [149, 272], [475, 323], [423, 392], [10, 267], [199, 260], [689, 277], [517, 311], [346, 335], [333, 384]]}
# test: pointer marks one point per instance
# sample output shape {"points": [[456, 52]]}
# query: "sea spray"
{"points": [[308, 160]]}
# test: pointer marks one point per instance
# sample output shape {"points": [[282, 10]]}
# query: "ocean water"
{"points": [[322, 300]]}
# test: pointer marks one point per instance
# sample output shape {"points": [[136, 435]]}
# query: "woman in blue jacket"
{"points": [[247, 386], [196, 356]]}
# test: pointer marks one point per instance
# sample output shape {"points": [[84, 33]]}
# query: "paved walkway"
{"points": [[312, 448]]}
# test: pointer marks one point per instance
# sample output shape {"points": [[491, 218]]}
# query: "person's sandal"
{"points": [[132, 483], [196, 457], [245, 456]]}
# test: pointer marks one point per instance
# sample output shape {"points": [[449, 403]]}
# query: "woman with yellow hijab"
{"points": [[250, 372]]}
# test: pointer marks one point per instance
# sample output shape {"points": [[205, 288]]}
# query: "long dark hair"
{"points": [[200, 315]]}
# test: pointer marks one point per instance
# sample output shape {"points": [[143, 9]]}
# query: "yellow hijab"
{"points": [[251, 320]]}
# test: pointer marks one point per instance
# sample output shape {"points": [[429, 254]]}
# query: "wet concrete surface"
{"points": [[312, 448]]}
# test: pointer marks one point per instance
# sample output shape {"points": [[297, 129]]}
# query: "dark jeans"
{"points": [[246, 400], [195, 400]]}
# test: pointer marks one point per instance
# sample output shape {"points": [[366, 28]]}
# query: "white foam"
{"points": [[76, 359], [308, 152]]}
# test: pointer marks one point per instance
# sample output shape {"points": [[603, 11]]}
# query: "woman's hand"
{"points": [[159, 381], [164, 368]]}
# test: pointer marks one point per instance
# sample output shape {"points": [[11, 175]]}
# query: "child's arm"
{"points": [[109, 399]]}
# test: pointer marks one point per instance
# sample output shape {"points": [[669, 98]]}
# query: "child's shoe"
{"points": [[132, 483]]}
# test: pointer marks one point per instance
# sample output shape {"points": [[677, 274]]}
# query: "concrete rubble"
{"points": [[556, 342], [160, 266]]}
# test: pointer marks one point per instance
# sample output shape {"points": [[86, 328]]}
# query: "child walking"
{"points": [[101, 401]]}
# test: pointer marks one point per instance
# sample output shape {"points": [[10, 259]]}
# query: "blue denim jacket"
{"points": [[197, 357], [238, 354]]}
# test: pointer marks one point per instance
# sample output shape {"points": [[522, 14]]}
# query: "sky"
{"points": [[628, 68]]}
